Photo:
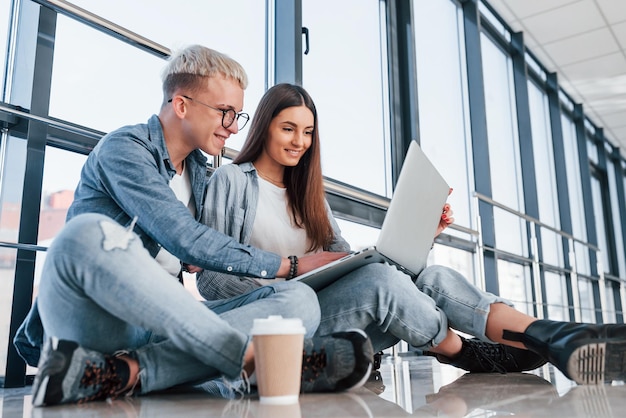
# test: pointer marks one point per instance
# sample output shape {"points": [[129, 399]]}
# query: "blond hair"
{"points": [[189, 67]]}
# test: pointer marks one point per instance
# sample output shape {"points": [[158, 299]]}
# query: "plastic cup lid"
{"points": [[276, 324]]}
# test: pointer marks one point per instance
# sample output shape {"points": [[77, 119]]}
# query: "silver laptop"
{"points": [[409, 227]]}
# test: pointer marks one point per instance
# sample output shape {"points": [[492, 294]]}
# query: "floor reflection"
{"points": [[404, 386]]}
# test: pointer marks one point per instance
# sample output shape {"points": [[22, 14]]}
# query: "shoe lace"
{"points": [[313, 364], [493, 354], [102, 375]]}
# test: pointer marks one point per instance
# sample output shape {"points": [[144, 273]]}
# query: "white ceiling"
{"points": [[584, 42]]}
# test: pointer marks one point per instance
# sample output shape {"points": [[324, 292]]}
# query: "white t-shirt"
{"points": [[273, 228], [181, 185]]}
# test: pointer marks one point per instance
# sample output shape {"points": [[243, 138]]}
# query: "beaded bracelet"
{"points": [[293, 269]]}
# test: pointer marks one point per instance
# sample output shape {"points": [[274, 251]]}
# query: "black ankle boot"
{"points": [[482, 357], [585, 353]]}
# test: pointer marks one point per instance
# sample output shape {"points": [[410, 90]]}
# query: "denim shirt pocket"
{"points": [[237, 217]]}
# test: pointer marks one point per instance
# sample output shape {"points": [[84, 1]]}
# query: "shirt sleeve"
{"points": [[339, 243], [225, 210], [130, 174]]}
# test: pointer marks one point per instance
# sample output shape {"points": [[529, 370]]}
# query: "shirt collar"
{"points": [[155, 131], [247, 167]]}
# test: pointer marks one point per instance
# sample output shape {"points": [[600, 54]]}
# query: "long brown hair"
{"points": [[304, 182]]}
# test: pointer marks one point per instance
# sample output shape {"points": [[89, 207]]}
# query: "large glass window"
{"points": [[543, 151], [60, 177], [442, 94], [592, 149], [600, 218], [5, 16], [13, 164], [504, 160], [7, 274], [345, 72], [515, 285], [106, 90], [102, 91], [61, 173], [552, 247], [235, 27], [620, 269], [574, 188], [556, 296], [459, 260], [611, 291], [358, 236], [621, 182], [587, 303]]}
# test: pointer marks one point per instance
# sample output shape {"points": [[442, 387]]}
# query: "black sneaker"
{"points": [[69, 373], [482, 357], [340, 361]]}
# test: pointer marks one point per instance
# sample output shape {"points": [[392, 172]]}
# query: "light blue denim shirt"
{"points": [[231, 205], [127, 174]]}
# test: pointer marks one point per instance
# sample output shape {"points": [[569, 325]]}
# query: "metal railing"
{"points": [[51, 122], [535, 263], [106, 26]]}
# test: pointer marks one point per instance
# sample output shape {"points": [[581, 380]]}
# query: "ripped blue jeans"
{"points": [[103, 290]]}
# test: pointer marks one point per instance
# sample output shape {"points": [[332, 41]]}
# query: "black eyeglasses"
{"points": [[228, 115]]}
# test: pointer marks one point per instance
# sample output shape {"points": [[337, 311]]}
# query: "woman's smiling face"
{"points": [[289, 136]]}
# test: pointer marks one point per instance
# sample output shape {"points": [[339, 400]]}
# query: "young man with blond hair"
{"points": [[110, 318]]}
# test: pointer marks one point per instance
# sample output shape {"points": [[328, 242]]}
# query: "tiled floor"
{"points": [[408, 386]]}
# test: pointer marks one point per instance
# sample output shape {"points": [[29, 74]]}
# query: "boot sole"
{"points": [[598, 363]]}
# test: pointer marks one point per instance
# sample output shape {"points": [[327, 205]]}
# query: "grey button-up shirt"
{"points": [[231, 203]]}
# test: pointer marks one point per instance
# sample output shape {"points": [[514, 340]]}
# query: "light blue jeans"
{"points": [[390, 307], [103, 290]]}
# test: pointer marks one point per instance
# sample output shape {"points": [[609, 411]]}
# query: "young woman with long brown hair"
{"points": [[272, 197]]}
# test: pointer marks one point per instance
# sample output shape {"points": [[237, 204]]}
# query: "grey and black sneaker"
{"points": [[69, 373], [340, 361], [482, 357]]}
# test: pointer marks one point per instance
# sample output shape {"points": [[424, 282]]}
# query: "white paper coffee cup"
{"points": [[278, 344]]}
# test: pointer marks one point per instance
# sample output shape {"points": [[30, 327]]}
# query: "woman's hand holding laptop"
{"points": [[447, 217]]}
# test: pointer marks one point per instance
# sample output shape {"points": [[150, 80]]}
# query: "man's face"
{"points": [[203, 127]]}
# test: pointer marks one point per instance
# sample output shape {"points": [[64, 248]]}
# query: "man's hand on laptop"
{"points": [[313, 261]]}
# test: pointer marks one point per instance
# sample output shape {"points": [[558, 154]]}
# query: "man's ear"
{"points": [[179, 105]]}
